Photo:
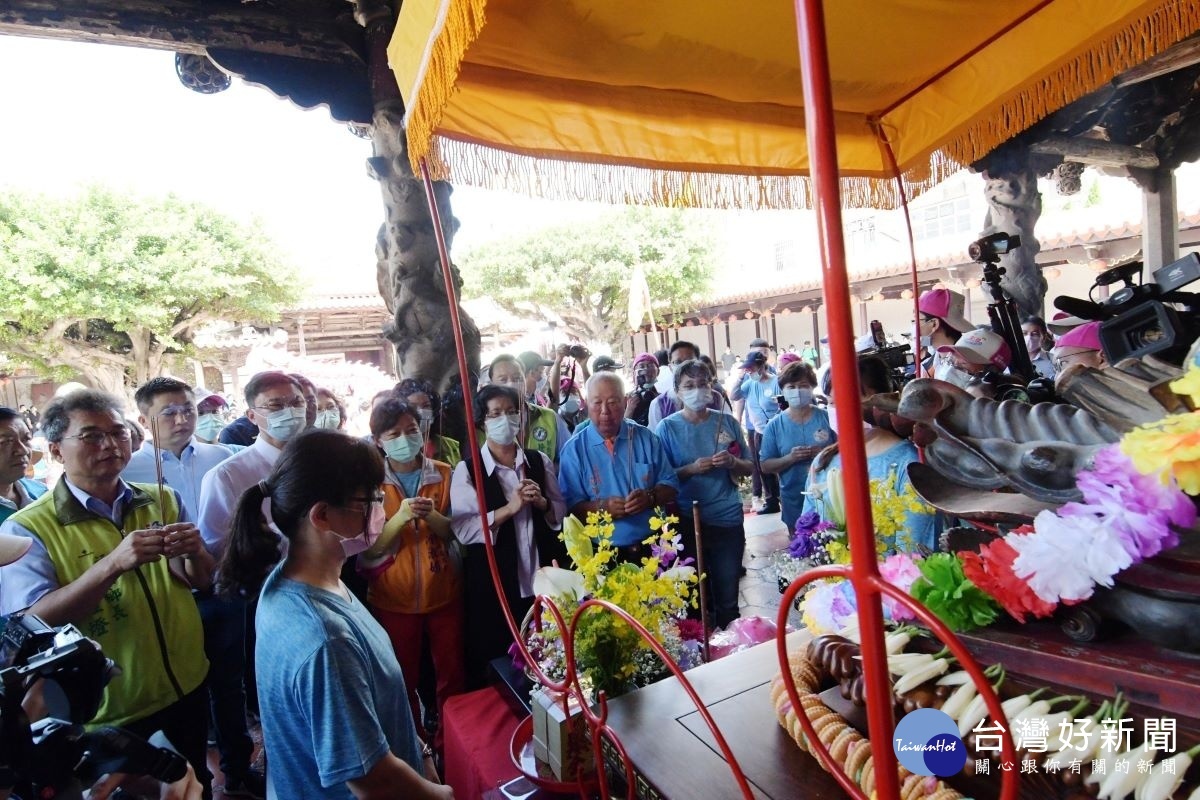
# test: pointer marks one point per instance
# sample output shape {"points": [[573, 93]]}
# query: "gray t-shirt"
{"points": [[330, 690]]}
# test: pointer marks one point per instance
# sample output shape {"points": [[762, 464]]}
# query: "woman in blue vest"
{"points": [[525, 513]]}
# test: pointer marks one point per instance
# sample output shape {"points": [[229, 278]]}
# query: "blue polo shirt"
{"points": [[715, 490], [781, 435], [588, 472]]}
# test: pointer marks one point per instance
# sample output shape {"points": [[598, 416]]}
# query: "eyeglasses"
{"points": [[119, 437], [279, 405], [173, 413], [366, 502]]}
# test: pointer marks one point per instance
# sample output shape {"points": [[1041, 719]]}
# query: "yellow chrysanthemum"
{"points": [[1171, 444], [1189, 385]]}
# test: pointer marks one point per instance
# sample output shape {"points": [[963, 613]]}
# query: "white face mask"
{"points": [[951, 373], [571, 406], [403, 449], [208, 427], [696, 399], [503, 430], [328, 419], [1033, 344], [285, 423], [425, 414], [353, 545], [925, 343], [798, 398]]}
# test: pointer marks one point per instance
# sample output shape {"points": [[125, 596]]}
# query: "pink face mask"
{"points": [[353, 545]]}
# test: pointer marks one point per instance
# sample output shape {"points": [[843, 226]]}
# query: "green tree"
{"points": [[112, 286], [581, 272]]}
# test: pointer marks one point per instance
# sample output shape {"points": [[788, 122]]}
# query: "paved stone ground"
{"points": [[765, 534]]}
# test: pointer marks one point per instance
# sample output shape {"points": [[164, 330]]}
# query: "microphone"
{"points": [[1084, 309]]}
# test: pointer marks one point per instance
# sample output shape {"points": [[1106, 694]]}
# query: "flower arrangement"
{"points": [[609, 654], [821, 539]]}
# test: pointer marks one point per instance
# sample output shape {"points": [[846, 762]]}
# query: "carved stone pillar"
{"points": [[408, 270], [1014, 205]]}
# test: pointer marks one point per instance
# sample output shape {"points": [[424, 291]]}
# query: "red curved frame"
{"points": [[863, 572]]}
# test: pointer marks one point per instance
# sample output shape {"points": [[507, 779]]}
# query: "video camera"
{"points": [[55, 756], [643, 386], [897, 357], [1135, 319]]}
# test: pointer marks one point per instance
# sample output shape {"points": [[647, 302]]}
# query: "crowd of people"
{"points": [[338, 585]]}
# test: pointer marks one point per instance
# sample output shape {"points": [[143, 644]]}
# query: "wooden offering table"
{"points": [[674, 754]]}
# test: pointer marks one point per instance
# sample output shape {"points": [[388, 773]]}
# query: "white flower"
{"points": [[558, 582], [1066, 557], [678, 574]]}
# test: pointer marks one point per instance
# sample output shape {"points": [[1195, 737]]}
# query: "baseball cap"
{"points": [[13, 547], [606, 362], [787, 358], [214, 400], [981, 346], [1083, 337], [945, 304], [531, 361], [755, 359], [1063, 322], [646, 358], [759, 342]]}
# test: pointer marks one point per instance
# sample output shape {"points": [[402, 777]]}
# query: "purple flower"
{"points": [[1140, 509], [807, 539]]}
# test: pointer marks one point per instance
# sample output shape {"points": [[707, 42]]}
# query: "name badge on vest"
{"points": [[821, 436], [540, 433]]}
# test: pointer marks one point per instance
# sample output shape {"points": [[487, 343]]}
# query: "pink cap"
{"points": [[981, 346], [645, 358], [786, 358], [1084, 337], [947, 305]]}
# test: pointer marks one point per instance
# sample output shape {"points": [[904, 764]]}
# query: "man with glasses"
{"points": [[117, 560], [16, 448], [167, 411], [276, 405]]}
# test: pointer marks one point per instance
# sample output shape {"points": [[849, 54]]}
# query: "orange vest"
{"points": [[425, 574]]}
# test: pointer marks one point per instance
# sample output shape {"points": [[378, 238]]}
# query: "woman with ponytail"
{"points": [[335, 715]]}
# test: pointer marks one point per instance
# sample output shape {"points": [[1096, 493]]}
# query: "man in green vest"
{"points": [[119, 561]]}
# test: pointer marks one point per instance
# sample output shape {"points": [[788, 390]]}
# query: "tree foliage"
{"points": [[581, 272], [109, 286]]}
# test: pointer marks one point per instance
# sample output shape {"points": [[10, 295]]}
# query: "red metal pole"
{"points": [[822, 152], [469, 413]]}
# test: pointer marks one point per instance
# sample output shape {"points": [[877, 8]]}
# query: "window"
{"points": [[950, 218], [787, 255]]}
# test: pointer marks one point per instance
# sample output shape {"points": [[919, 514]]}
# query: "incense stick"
{"points": [[158, 470]]}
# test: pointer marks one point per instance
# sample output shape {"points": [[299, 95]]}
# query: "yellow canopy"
{"points": [[698, 102]]}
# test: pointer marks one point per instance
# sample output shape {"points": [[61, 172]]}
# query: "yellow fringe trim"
{"points": [[464, 20], [1105, 59], [474, 164]]}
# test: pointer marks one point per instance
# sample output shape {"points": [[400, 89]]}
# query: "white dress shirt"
{"points": [[464, 510], [223, 486]]}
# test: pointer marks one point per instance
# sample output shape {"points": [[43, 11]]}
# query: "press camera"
{"points": [[897, 357], [55, 756], [1139, 319]]}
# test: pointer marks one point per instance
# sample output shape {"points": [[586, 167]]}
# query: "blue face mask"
{"points": [[285, 423], [209, 426], [403, 449]]}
